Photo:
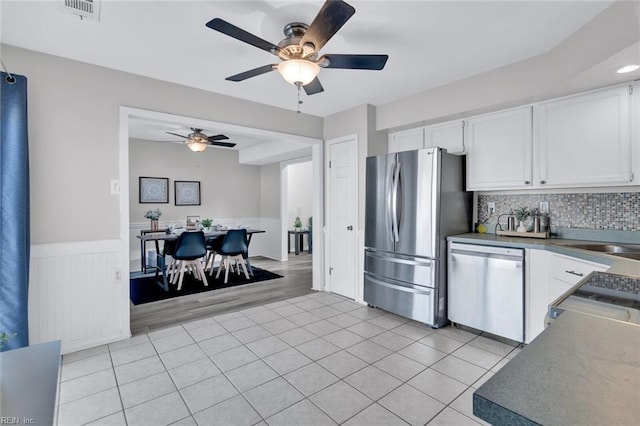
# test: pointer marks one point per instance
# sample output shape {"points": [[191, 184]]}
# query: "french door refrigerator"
{"points": [[414, 199]]}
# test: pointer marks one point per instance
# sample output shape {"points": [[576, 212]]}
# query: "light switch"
{"points": [[115, 187]]}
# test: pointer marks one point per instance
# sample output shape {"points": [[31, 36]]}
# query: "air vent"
{"points": [[84, 8]]}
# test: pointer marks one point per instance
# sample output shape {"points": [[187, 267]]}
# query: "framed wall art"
{"points": [[153, 190], [187, 192]]}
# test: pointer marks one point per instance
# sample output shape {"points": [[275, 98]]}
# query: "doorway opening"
{"points": [[268, 251]]}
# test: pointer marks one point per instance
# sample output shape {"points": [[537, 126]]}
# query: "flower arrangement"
{"points": [[206, 223], [153, 214], [298, 223]]}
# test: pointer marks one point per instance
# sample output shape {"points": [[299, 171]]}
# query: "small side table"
{"points": [[298, 237], [143, 250]]}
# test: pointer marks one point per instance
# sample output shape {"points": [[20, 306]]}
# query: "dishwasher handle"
{"points": [[489, 255]]}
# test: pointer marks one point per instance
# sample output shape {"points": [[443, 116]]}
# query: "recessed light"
{"points": [[628, 68]]}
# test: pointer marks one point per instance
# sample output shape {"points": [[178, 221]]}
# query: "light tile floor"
{"points": [[318, 359]]}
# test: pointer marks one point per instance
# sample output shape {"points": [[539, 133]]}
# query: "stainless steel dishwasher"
{"points": [[486, 289]]}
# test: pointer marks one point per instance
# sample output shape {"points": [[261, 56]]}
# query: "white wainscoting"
{"points": [[75, 294]]}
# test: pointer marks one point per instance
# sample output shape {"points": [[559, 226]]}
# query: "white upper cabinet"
{"points": [[449, 136], [583, 140], [406, 140], [499, 150]]}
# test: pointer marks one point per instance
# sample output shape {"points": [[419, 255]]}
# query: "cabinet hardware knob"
{"points": [[349, 228], [526, 182], [542, 182]]}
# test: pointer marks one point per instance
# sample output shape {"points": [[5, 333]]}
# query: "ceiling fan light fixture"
{"points": [[196, 145], [298, 71]]}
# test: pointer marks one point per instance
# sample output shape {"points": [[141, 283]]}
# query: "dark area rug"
{"points": [[148, 288]]}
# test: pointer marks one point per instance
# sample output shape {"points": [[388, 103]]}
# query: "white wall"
{"points": [[73, 136], [299, 197], [230, 193], [299, 194]]}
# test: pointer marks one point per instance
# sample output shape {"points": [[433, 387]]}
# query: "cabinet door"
{"points": [[499, 150], [449, 136], [536, 292], [584, 140], [406, 140]]}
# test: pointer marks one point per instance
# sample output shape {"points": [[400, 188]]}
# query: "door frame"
{"points": [[121, 188], [357, 231]]}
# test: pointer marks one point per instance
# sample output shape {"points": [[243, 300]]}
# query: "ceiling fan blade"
{"points": [[217, 138], [175, 134], [355, 62], [313, 87], [227, 144], [239, 34], [332, 16], [251, 73]]}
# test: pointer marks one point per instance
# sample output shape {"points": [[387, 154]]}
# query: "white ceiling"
{"points": [[429, 43]]}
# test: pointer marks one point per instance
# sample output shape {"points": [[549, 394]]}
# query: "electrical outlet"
{"points": [[491, 207], [544, 207]]}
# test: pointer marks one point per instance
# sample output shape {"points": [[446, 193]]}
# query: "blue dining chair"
{"points": [[214, 244], [189, 252], [233, 249]]}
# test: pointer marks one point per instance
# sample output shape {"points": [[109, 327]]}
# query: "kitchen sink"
{"points": [[631, 251], [634, 256]]}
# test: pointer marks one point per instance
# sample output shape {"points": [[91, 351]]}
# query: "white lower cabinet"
{"points": [[536, 295], [548, 276]]}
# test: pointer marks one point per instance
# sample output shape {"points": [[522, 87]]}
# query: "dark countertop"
{"points": [[29, 381], [582, 370], [618, 265]]}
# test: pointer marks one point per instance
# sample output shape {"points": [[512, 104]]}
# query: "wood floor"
{"points": [[296, 281]]}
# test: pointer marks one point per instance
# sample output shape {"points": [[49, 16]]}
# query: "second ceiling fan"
{"points": [[198, 141], [298, 52]]}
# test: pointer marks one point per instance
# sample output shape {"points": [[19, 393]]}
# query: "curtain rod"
{"points": [[10, 79]]}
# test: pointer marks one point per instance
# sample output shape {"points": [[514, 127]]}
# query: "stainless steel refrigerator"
{"points": [[414, 200]]}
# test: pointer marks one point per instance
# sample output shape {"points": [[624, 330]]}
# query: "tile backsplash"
{"points": [[619, 211]]}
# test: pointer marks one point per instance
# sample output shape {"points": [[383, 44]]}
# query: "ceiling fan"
{"points": [[198, 141], [298, 51]]}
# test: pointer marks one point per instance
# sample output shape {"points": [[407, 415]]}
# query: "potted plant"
{"points": [[297, 224], [206, 224], [522, 213], [153, 215]]}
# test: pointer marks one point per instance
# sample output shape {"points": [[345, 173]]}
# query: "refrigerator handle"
{"points": [[394, 203]]}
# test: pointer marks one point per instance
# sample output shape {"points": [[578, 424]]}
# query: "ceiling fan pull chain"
{"points": [[299, 86]]}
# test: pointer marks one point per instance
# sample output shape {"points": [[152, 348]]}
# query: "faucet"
{"points": [[498, 225]]}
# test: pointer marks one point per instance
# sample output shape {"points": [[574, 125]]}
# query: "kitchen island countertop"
{"points": [[576, 372]]}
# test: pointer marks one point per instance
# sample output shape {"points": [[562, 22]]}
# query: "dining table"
{"points": [[169, 235]]}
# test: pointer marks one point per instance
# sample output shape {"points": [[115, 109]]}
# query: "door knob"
{"points": [[349, 228]]}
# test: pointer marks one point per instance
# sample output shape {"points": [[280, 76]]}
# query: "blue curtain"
{"points": [[14, 212]]}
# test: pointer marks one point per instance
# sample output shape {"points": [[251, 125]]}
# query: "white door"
{"points": [[342, 217]]}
